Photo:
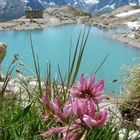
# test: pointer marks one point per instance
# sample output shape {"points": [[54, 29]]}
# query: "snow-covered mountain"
{"points": [[95, 6], [10, 9], [104, 6]]}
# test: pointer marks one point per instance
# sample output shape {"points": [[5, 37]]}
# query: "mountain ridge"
{"points": [[11, 9]]}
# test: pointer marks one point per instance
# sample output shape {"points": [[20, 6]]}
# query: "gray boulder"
{"points": [[3, 48]]}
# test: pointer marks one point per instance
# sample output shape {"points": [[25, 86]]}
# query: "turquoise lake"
{"points": [[53, 44]]}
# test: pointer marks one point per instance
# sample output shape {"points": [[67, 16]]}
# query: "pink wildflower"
{"points": [[46, 117], [67, 110], [54, 130], [79, 112], [64, 113], [46, 102], [85, 110], [56, 106], [81, 107], [89, 121], [69, 132], [101, 117], [72, 135], [88, 89]]}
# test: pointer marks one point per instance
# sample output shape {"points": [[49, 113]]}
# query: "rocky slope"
{"points": [[69, 14], [111, 20], [52, 17], [131, 38], [104, 6]]}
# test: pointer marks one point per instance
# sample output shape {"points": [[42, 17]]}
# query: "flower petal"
{"points": [[71, 136], [46, 117], [79, 109], [75, 106], [54, 130], [45, 100], [81, 83], [99, 98], [56, 107], [92, 108], [84, 106], [78, 121], [75, 92], [99, 87], [89, 121], [90, 82], [67, 111], [102, 117]]}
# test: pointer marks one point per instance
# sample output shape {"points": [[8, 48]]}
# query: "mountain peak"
{"points": [[9, 8]]}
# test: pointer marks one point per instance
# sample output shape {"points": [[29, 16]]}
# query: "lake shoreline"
{"points": [[117, 36], [12, 26], [130, 38], [133, 43], [68, 15]]}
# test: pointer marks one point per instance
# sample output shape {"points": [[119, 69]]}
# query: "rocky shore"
{"points": [[112, 20], [62, 15], [51, 17], [68, 14], [119, 18], [131, 38]]}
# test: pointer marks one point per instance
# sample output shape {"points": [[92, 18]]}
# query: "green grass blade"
{"points": [[80, 57], [21, 113], [74, 59], [36, 64], [70, 56], [102, 62]]}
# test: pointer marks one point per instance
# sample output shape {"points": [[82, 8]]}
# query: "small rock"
{"points": [[131, 35], [138, 122], [3, 48]]}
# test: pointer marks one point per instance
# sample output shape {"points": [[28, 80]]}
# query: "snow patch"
{"points": [[132, 4], [51, 3], [112, 6], [25, 1], [75, 3], [91, 1], [129, 13], [135, 24]]}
